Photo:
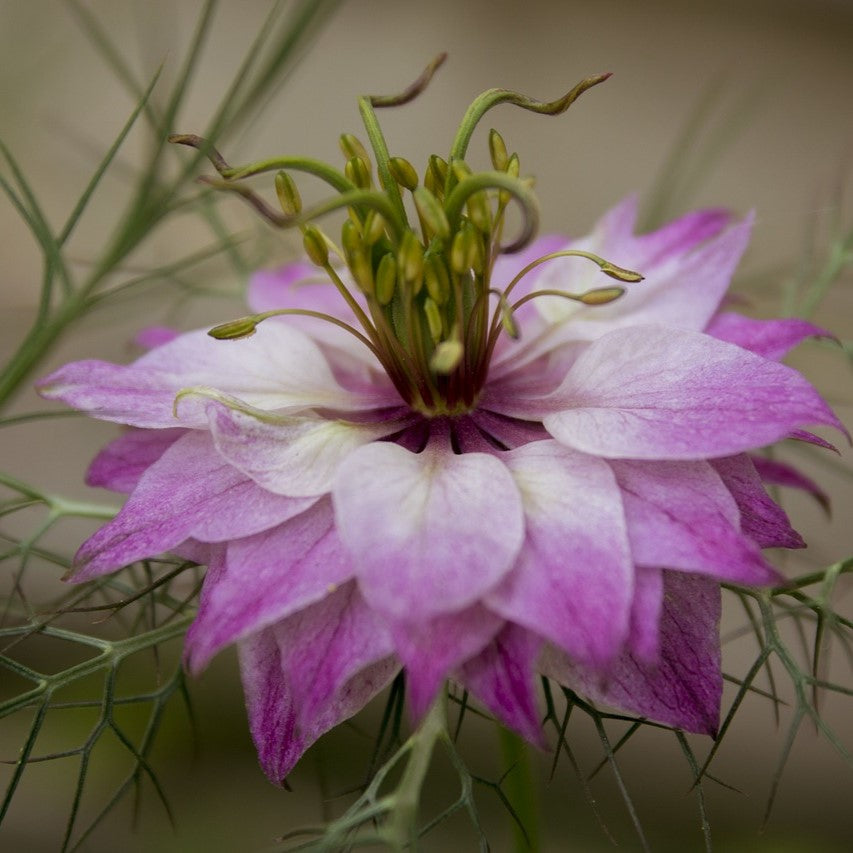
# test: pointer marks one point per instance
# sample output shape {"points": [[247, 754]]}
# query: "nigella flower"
{"points": [[425, 453]]}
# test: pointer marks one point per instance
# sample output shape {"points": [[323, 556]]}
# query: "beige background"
{"points": [[790, 62]]}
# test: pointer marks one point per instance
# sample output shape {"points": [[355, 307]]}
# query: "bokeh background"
{"points": [[777, 138]]}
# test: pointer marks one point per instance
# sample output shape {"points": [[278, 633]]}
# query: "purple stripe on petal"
{"points": [[406, 520], [190, 492], [680, 515], [771, 339], [761, 518], [684, 687], [267, 577], [309, 673], [503, 677], [124, 460], [573, 582], [272, 717]]}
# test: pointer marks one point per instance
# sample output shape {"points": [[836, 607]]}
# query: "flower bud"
{"points": [[358, 171], [351, 237], [446, 356], [601, 295], [436, 279], [497, 151], [234, 330], [403, 172], [436, 175], [315, 246], [374, 228], [620, 273], [288, 195], [351, 146], [432, 213], [411, 260], [386, 279], [479, 212], [433, 316]]}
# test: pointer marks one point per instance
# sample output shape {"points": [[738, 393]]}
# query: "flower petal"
{"points": [[573, 582], [406, 519], [644, 634], [309, 673], [296, 456], [123, 461], [190, 492], [431, 649], [771, 339], [683, 689], [266, 578], [277, 368], [779, 473], [655, 393], [680, 515], [761, 518], [503, 677]]}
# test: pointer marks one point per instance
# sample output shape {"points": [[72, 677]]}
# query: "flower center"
{"points": [[415, 257]]}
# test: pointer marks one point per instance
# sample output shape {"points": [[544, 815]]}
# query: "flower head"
{"points": [[432, 451]]}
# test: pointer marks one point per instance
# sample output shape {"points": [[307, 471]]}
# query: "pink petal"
{"points": [[687, 266], [644, 634], [309, 673], [190, 492], [123, 461], [680, 515], [276, 368], [683, 689], [761, 518], [431, 649], [266, 578], [155, 336], [406, 519], [650, 392], [771, 339], [296, 456], [573, 581], [779, 473], [503, 677]]}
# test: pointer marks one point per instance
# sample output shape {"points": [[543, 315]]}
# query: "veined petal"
{"points": [[656, 393], [772, 339], [190, 492], [296, 456], [125, 459], [276, 368], [406, 519], [504, 677], [322, 647], [266, 578], [644, 634], [681, 515], [307, 674], [761, 518], [684, 687], [431, 649], [573, 582]]}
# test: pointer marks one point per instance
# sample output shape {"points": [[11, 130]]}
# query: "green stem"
{"points": [[520, 788], [401, 827]]}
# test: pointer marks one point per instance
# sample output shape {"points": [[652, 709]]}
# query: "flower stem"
{"points": [[520, 788], [401, 828]]}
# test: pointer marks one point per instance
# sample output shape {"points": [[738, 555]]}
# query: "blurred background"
{"points": [[776, 136]]}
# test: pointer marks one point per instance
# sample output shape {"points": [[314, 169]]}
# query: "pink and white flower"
{"points": [[450, 501]]}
